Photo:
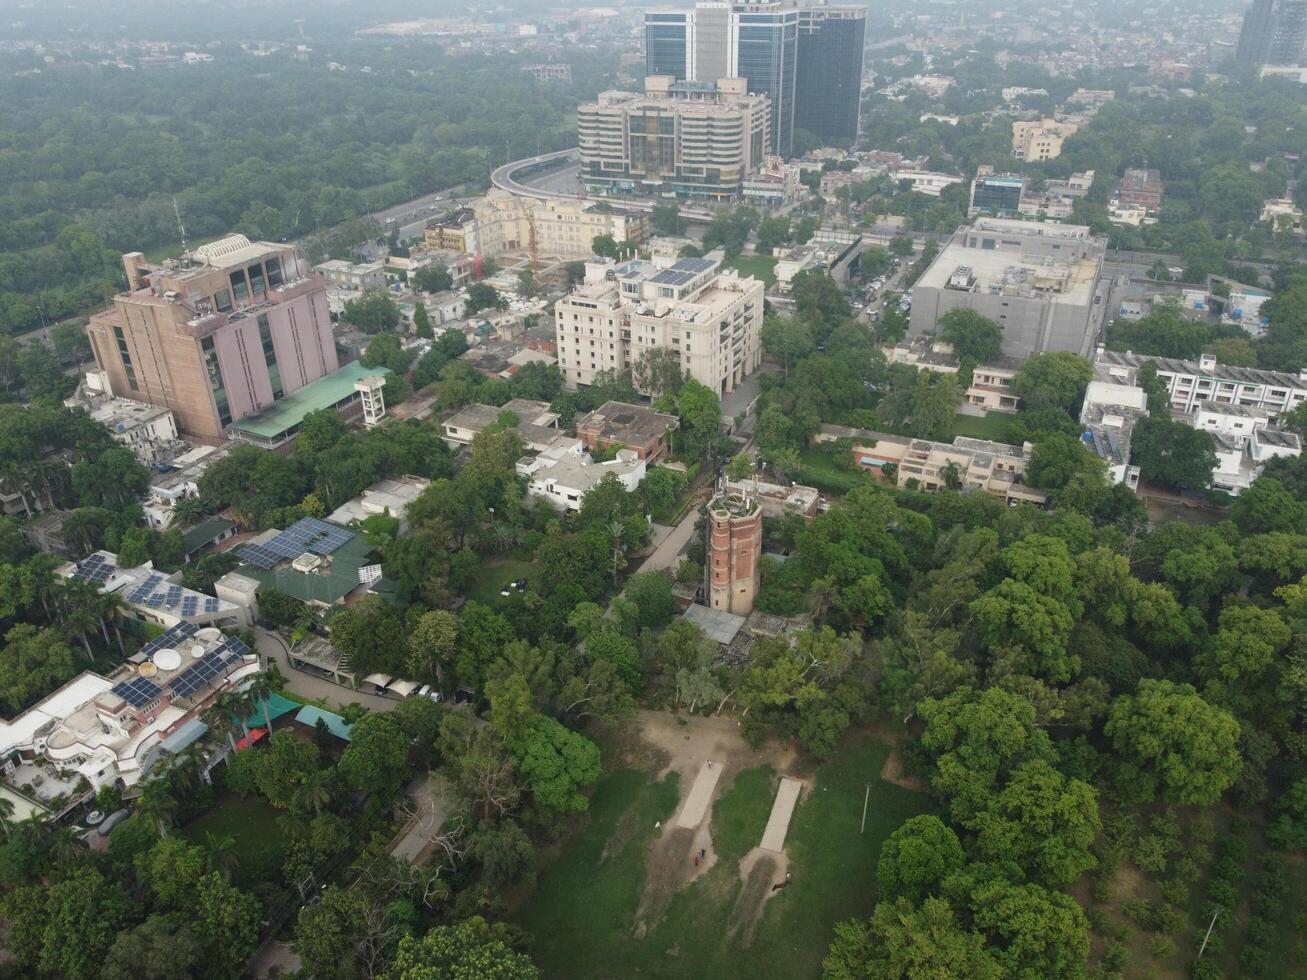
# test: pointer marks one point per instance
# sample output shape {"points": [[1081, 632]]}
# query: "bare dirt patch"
{"points": [[683, 744]]}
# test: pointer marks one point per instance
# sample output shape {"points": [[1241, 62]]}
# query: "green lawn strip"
{"points": [[495, 575], [581, 913], [834, 866], [820, 471], [993, 426], [740, 814], [758, 266]]}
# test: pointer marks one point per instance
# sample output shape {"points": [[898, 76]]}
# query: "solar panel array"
{"points": [[170, 638], [672, 277], [144, 590], [693, 265], [190, 605], [214, 665], [96, 568], [306, 534], [138, 692]]}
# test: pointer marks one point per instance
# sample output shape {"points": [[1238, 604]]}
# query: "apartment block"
{"points": [[1039, 139], [1036, 280], [692, 140], [502, 222], [217, 334], [710, 318], [1191, 382]]}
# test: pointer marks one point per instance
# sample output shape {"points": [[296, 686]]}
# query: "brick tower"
{"points": [[734, 552]]}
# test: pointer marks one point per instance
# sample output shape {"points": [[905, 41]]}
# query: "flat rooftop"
{"points": [[627, 423], [283, 416], [1006, 273]]}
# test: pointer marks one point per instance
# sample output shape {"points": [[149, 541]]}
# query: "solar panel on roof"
{"points": [[195, 678], [210, 604], [138, 692], [190, 605]]}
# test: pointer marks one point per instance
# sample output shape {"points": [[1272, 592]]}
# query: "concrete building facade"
{"points": [[710, 318], [692, 140], [1036, 280], [734, 553], [1039, 139], [221, 332]]}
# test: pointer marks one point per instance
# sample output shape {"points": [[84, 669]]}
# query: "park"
{"points": [[627, 891]]}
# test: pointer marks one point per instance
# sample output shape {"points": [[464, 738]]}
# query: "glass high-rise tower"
{"points": [[806, 57], [1274, 33]]}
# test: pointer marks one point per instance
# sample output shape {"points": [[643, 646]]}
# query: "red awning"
{"points": [[255, 735]]}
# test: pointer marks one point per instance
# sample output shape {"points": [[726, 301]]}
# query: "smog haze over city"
{"points": [[707, 489]]}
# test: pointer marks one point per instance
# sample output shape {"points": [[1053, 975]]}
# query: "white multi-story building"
{"points": [[1244, 440], [1113, 405], [1192, 382], [710, 318], [98, 731]]}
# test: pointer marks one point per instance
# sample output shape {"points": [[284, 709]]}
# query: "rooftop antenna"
{"points": [[180, 227]]}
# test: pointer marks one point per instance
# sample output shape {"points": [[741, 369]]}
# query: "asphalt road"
{"points": [[273, 649]]}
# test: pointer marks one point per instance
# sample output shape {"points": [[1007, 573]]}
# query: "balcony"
{"points": [[296, 288]]}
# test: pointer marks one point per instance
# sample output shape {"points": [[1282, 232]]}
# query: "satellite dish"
{"points": [[147, 669], [167, 659], [197, 651], [209, 634]]}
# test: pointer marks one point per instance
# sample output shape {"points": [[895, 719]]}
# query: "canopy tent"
{"points": [[255, 735], [277, 706]]}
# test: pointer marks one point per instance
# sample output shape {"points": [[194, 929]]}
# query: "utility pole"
{"points": [[865, 800], [1209, 932]]}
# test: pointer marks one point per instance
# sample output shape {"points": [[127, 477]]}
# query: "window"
{"points": [[222, 300], [126, 356], [270, 355], [257, 283], [216, 385], [275, 278], [238, 287]]}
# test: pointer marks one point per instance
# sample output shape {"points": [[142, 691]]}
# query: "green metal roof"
{"points": [[204, 532], [282, 416], [277, 706], [310, 715], [343, 578]]}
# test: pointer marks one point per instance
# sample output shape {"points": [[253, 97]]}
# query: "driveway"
{"points": [[669, 549], [273, 649], [432, 801]]}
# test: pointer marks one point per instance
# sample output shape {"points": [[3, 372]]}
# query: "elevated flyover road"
{"points": [[526, 178]]}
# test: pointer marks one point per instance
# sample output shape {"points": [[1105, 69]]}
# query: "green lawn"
{"points": [[820, 471], [581, 915], [991, 426], [496, 574], [759, 266], [252, 823]]}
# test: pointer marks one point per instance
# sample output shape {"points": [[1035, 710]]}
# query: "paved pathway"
{"points": [[701, 794], [668, 551], [773, 838], [307, 685], [433, 800]]}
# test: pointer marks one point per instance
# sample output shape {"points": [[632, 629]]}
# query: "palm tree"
{"points": [[218, 718], [189, 510], [109, 607], [260, 691], [313, 792], [79, 615], [158, 804], [241, 704], [6, 814], [220, 853]]}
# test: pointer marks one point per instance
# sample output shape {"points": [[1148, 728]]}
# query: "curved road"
{"points": [[505, 178]]}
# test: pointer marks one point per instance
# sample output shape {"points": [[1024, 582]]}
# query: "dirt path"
{"points": [[683, 744]]}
